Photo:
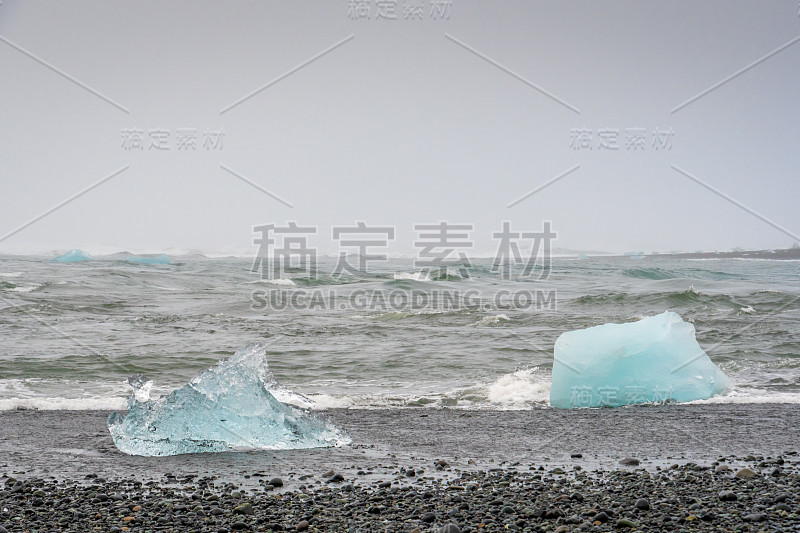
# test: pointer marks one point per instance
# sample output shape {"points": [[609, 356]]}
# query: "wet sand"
{"points": [[67, 444]]}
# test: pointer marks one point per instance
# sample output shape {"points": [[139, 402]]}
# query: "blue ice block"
{"points": [[656, 359], [161, 259], [73, 256], [224, 408]]}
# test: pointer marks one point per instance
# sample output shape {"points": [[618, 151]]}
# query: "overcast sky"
{"points": [[448, 114]]}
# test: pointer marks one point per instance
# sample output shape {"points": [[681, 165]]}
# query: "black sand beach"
{"points": [[406, 470]]}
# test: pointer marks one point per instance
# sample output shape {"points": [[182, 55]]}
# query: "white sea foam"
{"points": [[57, 404], [10, 274], [745, 396], [416, 276], [519, 389], [276, 281], [493, 320], [24, 288]]}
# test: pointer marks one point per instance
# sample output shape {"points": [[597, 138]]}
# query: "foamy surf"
{"points": [[24, 288], [286, 282], [63, 404], [519, 390], [493, 320], [415, 276]]}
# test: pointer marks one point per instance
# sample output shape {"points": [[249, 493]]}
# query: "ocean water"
{"points": [[72, 333]]}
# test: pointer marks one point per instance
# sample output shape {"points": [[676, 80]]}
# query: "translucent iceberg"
{"points": [[161, 259], [226, 407], [73, 256], [656, 359]]}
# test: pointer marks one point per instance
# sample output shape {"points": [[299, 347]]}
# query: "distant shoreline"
{"points": [[780, 255]]}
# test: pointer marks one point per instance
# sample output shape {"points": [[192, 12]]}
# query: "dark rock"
{"points": [[728, 496], [643, 504], [276, 482], [450, 528], [624, 522], [244, 508], [746, 473], [240, 526], [301, 526], [601, 517], [755, 517], [629, 461], [428, 518]]}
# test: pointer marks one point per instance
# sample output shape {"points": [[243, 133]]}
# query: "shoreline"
{"points": [[421, 470], [65, 444]]}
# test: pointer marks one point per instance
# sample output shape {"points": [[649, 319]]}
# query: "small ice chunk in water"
{"points": [[226, 407], [656, 359], [161, 259], [73, 256]]}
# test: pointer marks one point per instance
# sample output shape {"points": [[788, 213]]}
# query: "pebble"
{"points": [[629, 461], [755, 517], [497, 499], [244, 508], [746, 473]]}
